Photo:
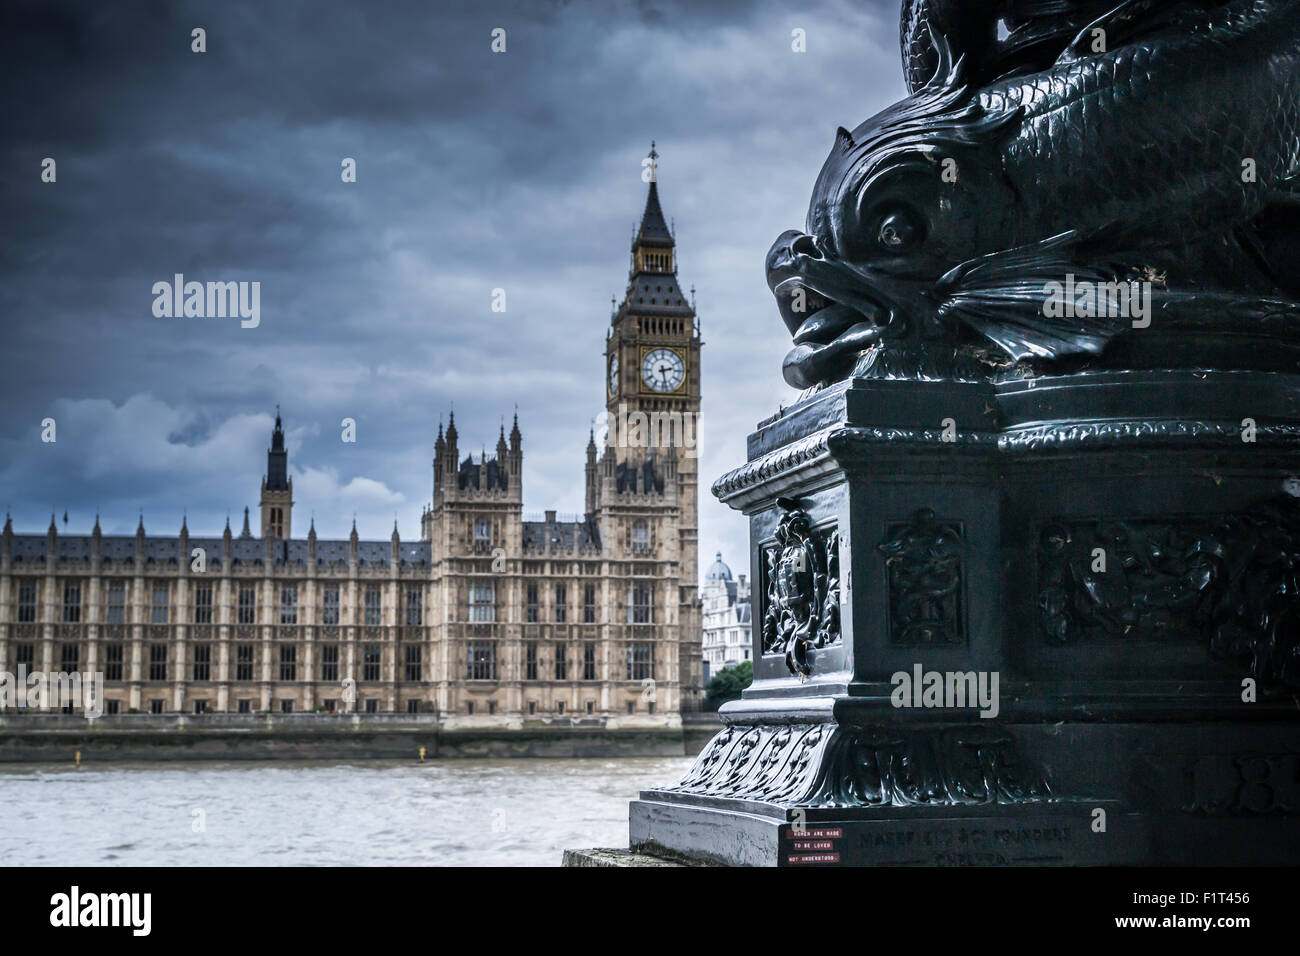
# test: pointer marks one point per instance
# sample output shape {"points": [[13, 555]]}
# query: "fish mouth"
{"points": [[831, 308], [796, 263]]}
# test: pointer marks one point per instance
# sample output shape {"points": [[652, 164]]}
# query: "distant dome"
{"points": [[717, 570]]}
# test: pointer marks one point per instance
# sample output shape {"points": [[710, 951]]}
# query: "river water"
{"points": [[523, 812]]}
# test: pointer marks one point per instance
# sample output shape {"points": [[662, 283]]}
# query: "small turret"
{"points": [[276, 503]]}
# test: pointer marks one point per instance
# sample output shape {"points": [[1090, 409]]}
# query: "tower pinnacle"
{"points": [[277, 487]]}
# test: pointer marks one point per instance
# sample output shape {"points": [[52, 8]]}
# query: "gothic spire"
{"points": [[277, 459], [654, 228]]}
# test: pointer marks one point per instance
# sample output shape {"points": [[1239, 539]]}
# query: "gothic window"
{"points": [[157, 661], [203, 605], [530, 604], [244, 662], [370, 670], [247, 605], [482, 602], [640, 662], [530, 661], [482, 531], [203, 662], [481, 660], [640, 536], [413, 667], [414, 607], [640, 604], [589, 604], [561, 662], [329, 662], [72, 603], [159, 608], [289, 604], [289, 662], [330, 606], [26, 601], [374, 606], [113, 662], [69, 657], [589, 660], [561, 604], [26, 654]]}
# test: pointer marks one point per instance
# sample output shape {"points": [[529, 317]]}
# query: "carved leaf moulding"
{"points": [[822, 766]]}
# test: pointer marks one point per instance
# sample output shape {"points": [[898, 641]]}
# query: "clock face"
{"points": [[613, 374], [663, 370]]}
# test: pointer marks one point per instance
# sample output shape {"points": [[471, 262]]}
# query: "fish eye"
{"points": [[900, 230]]}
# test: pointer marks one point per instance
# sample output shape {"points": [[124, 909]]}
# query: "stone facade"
{"points": [[725, 602], [491, 617]]}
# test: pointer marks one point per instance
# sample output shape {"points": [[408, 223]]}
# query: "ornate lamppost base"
{"points": [[1044, 620]]}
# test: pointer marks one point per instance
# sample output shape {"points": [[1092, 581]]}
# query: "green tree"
{"points": [[729, 682]]}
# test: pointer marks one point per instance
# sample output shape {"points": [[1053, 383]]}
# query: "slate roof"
{"points": [[29, 549], [468, 474], [654, 228], [564, 535], [645, 477]]}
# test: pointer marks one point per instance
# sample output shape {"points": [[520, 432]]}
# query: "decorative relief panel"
{"points": [[923, 558], [1232, 582], [801, 589]]}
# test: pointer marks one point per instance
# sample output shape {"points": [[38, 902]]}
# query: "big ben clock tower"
{"points": [[652, 366], [652, 354]]}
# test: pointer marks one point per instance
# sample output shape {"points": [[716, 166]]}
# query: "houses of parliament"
{"points": [[488, 618]]}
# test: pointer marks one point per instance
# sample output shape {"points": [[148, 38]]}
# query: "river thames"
{"points": [[522, 812]]}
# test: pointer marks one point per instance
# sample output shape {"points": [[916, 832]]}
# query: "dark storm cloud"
{"points": [[476, 171]]}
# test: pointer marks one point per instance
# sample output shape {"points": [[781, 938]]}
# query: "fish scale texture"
{"points": [[1157, 132]]}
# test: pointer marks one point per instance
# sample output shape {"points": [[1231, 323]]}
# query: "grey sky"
{"points": [[475, 171]]}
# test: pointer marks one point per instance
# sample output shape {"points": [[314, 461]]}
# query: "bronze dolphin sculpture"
{"points": [[1152, 142]]}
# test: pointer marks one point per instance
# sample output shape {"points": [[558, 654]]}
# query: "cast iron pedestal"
{"points": [[1118, 550]]}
